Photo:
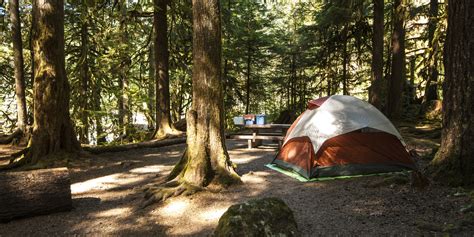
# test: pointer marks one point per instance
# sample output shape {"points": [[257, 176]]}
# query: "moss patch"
{"points": [[261, 217]]}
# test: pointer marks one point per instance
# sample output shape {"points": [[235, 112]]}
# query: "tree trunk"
{"points": [[52, 128], [345, 59], [123, 100], [431, 90], [163, 114], [454, 163], [84, 72], [398, 61], [151, 88], [375, 90], [31, 193], [19, 67], [206, 158], [247, 83]]}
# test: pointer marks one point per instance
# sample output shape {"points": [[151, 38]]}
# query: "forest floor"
{"points": [[107, 192]]}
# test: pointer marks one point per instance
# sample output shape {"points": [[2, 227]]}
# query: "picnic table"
{"points": [[260, 132]]}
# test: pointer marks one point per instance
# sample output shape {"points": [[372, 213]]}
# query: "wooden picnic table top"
{"points": [[267, 126]]}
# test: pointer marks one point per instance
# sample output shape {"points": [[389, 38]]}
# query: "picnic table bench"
{"points": [[260, 132]]}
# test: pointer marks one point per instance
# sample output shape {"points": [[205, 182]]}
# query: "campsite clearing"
{"points": [[106, 194]]}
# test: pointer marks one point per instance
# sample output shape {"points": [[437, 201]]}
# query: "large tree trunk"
{"points": [[206, 159], [19, 67], [398, 61], [431, 90], [454, 161], [31, 193], [52, 128], [375, 90], [207, 154], [163, 114]]}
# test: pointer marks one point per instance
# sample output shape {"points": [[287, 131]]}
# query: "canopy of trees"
{"points": [[121, 71]]}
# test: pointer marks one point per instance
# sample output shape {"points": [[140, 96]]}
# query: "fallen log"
{"points": [[7, 139], [140, 145], [32, 193]]}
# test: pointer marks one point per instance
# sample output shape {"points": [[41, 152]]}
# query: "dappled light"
{"points": [[326, 122], [114, 212], [148, 169], [104, 183], [175, 208], [153, 118], [212, 214]]}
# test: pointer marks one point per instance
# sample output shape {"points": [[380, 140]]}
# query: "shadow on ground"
{"points": [[106, 193]]}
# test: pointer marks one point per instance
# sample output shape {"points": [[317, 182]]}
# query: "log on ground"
{"points": [[32, 193], [140, 145], [7, 139]]}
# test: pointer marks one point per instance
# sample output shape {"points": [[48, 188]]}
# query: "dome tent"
{"points": [[339, 136]]}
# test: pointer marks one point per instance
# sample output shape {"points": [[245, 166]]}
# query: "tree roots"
{"points": [[161, 192]]}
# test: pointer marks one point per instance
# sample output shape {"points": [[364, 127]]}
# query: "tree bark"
{"points": [[454, 163], [398, 61], [84, 72], [19, 65], [151, 88], [206, 157], [52, 128], [31, 193], [375, 90], [163, 112], [123, 100], [431, 90], [345, 61], [247, 83]]}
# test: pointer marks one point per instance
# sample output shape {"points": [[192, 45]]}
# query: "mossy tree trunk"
{"points": [[52, 128], [19, 65], [375, 90], [454, 162], [206, 155], [206, 159], [397, 78], [160, 26]]}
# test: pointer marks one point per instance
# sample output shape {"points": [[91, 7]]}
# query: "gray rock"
{"points": [[260, 217]]}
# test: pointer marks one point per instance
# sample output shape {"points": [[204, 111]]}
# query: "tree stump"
{"points": [[31, 193]]}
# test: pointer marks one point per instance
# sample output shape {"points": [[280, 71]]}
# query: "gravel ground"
{"points": [[106, 196]]}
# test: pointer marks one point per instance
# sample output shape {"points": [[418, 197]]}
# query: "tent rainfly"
{"points": [[342, 136]]}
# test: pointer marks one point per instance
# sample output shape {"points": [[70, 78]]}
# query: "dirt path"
{"points": [[106, 196]]}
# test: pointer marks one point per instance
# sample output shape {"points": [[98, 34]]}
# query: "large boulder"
{"points": [[261, 217]]}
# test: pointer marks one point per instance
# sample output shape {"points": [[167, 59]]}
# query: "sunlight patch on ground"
{"points": [[212, 214], [175, 208], [197, 215], [104, 183], [170, 153], [244, 160], [148, 169], [114, 212]]}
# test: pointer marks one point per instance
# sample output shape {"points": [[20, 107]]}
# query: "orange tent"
{"points": [[342, 135]]}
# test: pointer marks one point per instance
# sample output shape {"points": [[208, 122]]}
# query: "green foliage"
{"points": [[279, 54]]}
